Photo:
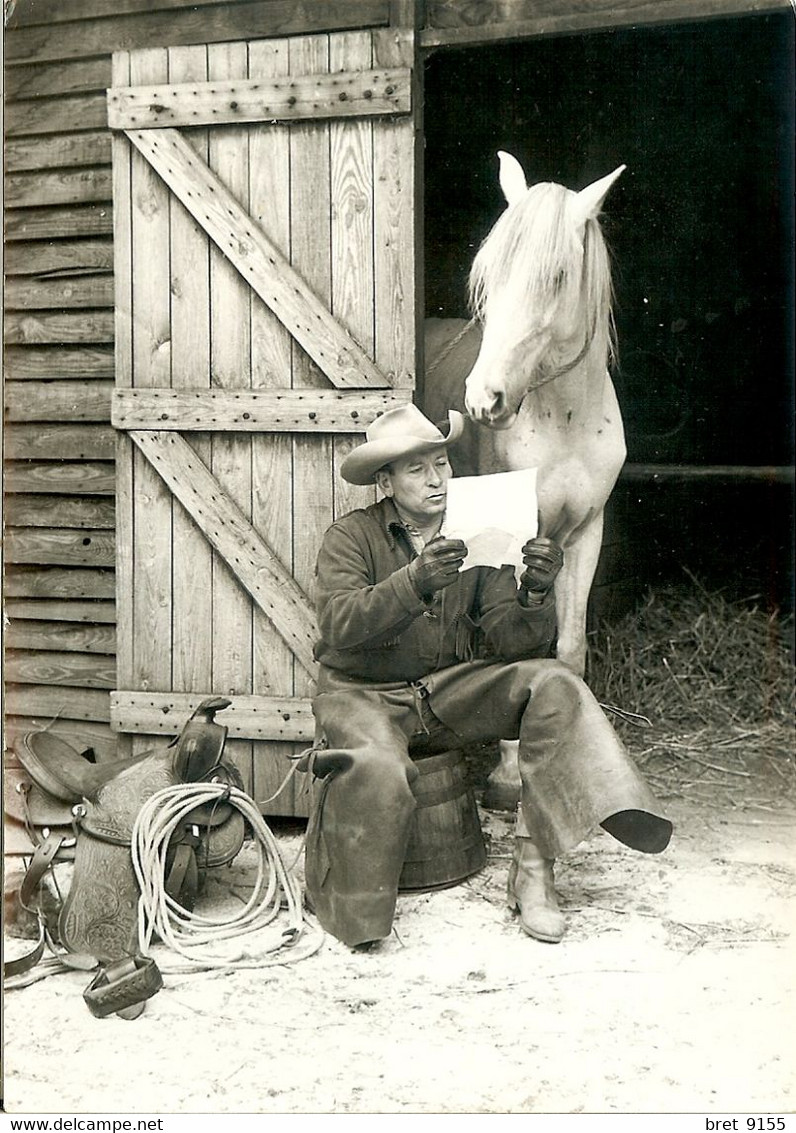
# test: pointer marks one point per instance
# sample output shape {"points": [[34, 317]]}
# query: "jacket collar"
{"points": [[391, 521]]}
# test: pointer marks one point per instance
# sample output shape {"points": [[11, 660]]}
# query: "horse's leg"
{"points": [[572, 593], [573, 584]]}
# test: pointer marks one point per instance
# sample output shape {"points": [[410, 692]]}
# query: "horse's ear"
{"points": [[591, 198], [512, 178]]}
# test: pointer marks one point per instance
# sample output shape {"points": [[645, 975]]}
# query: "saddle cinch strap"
{"points": [[99, 916]]}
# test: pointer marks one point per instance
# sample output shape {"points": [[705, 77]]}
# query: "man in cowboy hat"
{"points": [[411, 645]]}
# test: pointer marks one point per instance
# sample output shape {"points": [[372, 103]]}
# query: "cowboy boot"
{"points": [[531, 892]]}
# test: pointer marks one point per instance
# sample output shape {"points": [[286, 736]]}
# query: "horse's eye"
{"points": [[559, 281]]}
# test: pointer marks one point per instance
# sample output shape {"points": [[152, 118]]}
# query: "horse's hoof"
{"points": [[500, 796]]}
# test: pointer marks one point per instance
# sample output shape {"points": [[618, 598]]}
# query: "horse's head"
{"points": [[540, 286]]}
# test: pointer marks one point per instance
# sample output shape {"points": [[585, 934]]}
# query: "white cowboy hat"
{"points": [[398, 432]]}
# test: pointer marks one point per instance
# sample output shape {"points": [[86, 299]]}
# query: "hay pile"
{"points": [[702, 691]]}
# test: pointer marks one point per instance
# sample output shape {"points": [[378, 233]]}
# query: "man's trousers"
{"points": [[575, 775]]}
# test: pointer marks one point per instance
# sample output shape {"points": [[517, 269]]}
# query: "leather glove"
{"points": [[437, 566], [543, 560]]}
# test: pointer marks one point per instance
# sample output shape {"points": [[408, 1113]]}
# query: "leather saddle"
{"points": [[71, 806]]}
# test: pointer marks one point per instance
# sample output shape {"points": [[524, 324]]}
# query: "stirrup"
{"points": [[122, 988]]}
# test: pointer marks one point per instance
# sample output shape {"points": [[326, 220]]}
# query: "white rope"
{"points": [[190, 934]]}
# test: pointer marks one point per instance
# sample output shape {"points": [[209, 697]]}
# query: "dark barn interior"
{"points": [[701, 231]]}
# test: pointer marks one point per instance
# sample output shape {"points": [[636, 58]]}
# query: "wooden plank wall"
{"points": [[467, 22], [59, 448], [335, 198], [59, 367]]}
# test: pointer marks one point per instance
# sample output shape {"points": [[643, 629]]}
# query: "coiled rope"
{"points": [[190, 934]]}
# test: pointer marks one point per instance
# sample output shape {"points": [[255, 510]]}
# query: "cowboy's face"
{"points": [[418, 484]]}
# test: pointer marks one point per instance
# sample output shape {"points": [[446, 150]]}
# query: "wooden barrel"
{"points": [[445, 843]]}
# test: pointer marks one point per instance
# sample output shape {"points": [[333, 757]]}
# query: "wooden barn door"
{"points": [[265, 315]]}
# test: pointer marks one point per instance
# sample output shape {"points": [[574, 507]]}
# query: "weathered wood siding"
{"points": [[59, 368], [463, 22], [265, 315], [60, 472]]}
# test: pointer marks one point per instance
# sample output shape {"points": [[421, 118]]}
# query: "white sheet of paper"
{"points": [[495, 515]]}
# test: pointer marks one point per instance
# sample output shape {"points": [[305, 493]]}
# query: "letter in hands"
{"points": [[543, 560], [437, 566]]}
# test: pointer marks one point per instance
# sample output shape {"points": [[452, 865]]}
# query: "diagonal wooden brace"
{"points": [[257, 259], [230, 533]]}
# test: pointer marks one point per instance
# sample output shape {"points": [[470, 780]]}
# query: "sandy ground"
{"points": [[672, 992]]}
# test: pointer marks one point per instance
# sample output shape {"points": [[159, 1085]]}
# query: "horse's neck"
{"points": [[574, 397], [558, 419], [570, 398]]}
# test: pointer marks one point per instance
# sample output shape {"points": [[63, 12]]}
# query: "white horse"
{"points": [[535, 357]]}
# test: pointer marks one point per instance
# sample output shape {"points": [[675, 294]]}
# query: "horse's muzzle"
{"points": [[487, 402], [495, 416]]}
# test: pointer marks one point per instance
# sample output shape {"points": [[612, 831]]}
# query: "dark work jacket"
{"points": [[375, 627]]}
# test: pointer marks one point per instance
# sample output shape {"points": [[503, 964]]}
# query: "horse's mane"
{"points": [[533, 248]]}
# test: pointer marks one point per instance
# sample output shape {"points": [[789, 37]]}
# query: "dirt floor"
{"points": [[672, 992]]}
